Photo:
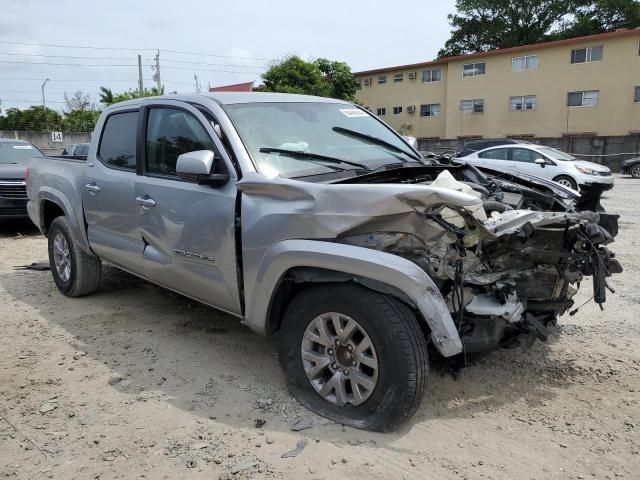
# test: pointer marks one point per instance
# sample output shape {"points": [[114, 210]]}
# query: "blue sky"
{"points": [[240, 37]]}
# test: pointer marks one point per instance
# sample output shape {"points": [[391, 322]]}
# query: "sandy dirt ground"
{"points": [[138, 382]]}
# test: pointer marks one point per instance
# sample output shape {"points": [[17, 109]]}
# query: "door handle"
{"points": [[145, 201], [92, 187]]}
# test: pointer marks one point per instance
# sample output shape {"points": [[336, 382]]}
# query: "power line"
{"points": [[212, 55], [75, 46], [127, 49], [62, 56], [73, 64], [69, 80], [78, 57], [118, 65]]}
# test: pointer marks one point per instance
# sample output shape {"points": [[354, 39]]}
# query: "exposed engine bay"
{"points": [[508, 266]]}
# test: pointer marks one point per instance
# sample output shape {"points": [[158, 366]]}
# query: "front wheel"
{"points": [[635, 171], [75, 272], [354, 355], [566, 181]]}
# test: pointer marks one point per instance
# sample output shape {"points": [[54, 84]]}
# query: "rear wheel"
{"points": [[566, 181], [354, 355], [75, 272], [635, 171]]}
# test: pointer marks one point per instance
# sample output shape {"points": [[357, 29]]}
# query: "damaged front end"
{"points": [[505, 274]]}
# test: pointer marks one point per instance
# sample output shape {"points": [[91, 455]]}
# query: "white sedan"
{"points": [[543, 162]]}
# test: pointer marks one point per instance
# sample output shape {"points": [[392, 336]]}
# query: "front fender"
{"points": [[75, 217], [386, 268]]}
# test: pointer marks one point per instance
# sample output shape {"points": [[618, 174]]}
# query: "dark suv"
{"points": [[477, 145], [14, 156]]}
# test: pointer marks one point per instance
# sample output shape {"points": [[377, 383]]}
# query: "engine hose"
{"points": [[495, 206]]}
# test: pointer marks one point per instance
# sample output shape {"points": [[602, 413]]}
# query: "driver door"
{"points": [[188, 229]]}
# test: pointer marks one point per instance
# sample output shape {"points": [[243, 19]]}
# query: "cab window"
{"points": [[524, 155], [118, 143], [495, 154], [170, 133]]}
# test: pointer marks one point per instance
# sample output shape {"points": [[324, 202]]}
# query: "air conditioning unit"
{"points": [[411, 109], [412, 75], [367, 82]]}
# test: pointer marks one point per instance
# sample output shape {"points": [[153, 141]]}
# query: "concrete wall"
{"points": [[615, 77], [609, 151], [42, 140]]}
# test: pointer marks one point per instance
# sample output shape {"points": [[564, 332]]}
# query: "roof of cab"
{"points": [[231, 98]]}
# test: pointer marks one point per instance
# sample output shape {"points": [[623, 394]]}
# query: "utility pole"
{"points": [[157, 75], [197, 83], [140, 84], [44, 106]]}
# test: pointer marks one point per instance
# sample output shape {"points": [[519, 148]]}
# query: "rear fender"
{"points": [[75, 217]]}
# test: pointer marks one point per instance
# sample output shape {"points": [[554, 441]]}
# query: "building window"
{"points": [[528, 62], [472, 106], [398, 77], [430, 110], [588, 98], [434, 75], [358, 84], [382, 79], [397, 110], [366, 82], [381, 112], [473, 69], [586, 55], [526, 102]]}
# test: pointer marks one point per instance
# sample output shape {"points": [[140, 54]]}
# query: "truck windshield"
{"points": [[336, 130], [16, 152]]}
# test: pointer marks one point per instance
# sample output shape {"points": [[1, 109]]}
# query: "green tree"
{"points": [[80, 114], [339, 78], [601, 16], [482, 25], [107, 97], [322, 77], [294, 75], [32, 118], [80, 120]]}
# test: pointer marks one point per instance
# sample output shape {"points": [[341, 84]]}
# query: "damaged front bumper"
{"points": [[507, 277]]}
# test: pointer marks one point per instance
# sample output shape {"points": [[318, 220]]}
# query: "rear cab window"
{"points": [[118, 142]]}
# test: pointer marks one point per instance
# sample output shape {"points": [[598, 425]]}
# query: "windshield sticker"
{"points": [[353, 112], [22, 147]]}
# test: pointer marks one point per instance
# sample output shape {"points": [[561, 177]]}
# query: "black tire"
{"points": [[399, 342], [564, 178], [635, 170], [85, 269]]}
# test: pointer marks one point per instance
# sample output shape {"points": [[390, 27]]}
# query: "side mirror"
{"points": [[541, 161], [197, 167]]}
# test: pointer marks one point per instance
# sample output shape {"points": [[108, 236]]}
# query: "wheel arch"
{"points": [[311, 261], [53, 203]]}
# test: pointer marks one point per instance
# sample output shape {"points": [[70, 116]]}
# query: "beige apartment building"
{"points": [[580, 86]]}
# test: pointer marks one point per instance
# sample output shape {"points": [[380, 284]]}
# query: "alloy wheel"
{"points": [[339, 359], [62, 257]]}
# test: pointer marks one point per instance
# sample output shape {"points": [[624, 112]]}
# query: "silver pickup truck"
{"points": [[311, 219]]}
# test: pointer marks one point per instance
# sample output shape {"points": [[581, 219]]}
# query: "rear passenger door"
{"points": [[496, 157], [109, 201], [188, 229]]}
